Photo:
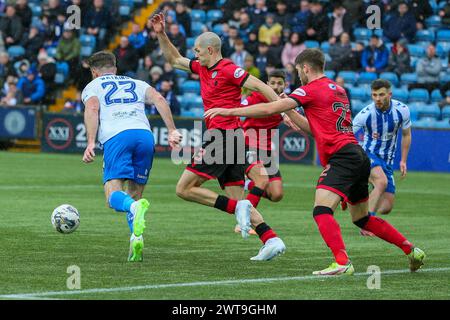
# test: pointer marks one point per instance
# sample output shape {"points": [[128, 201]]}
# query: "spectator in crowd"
{"points": [[228, 41], [98, 22], [32, 41], [235, 19], [339, 23], [269, 29], [282, 15], [355, 10], [177, 39], [300, 20], [11, 27], [23, 67], [401, 25], [156, 73], [24, 12], [183, 16], [127, 58], [357, 52], [11, 95], [230, 6], [258, 15], [249, 66], [239, 55], [399, 58], [318, 22], [68, 50], [32, 87], [52, 9], [292, 49], [200, 4], [341, 82], [137, 39], [262, 58], [143, 72], [6, 67], [151, 43], [46, 68], [252, 44], [275, 51], [170, 76], [375, 56], [428, 70], [245, 26], [167, 92], [341, 54], [420, 9], [292, 79], [444, 13], [83, 78]]}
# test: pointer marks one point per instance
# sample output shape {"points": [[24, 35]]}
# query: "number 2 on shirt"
{"points": [[113, 89]]}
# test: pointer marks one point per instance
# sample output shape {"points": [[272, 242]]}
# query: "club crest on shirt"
{"points": [[332, 86], [300, 92], [214, 74], [239, 72]]}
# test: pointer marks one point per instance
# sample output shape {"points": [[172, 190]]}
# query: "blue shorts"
{"points": [[129, 155], [375, 161]]}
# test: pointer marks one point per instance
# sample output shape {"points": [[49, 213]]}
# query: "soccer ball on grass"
{"points": [[65, 218]]}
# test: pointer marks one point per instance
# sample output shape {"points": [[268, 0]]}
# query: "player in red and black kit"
{"points": [[222, 156], [346, 166]]}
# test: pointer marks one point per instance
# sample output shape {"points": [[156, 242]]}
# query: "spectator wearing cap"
{"points": [[239, 54], [98, 22], [400, 25], [428, 70], [47, 70], [11, 27], [399, 58], [32, 87], [269, 29], [300, 20], [339, 23], [292, 49], [6, 67], [341, 54], [68, 50], [24, 12], [127, 58], [32, 41], [375, 56], [155, 80], [318, 22], [11, 95]]}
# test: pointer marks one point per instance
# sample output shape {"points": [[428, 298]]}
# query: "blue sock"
{"points": [[121, 202], [371, 213]]}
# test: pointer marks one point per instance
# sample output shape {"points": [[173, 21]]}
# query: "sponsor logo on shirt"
{"points": [[239, 72], [300, 92], [244, 102]]}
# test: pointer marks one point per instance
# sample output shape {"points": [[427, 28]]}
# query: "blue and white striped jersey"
{"points": [[381, 128]]}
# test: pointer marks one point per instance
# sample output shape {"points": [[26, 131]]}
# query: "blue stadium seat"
{"points": [[87, 40], [197, 28], [181, 73], [425, 35], [312, 44], [408, 78], [442, 124], [86, 51], [36, 9], [190, 86], [443, 35], [198, 15], [359, 93], [51, 52], [190, 42], [349, 77], [356, 106], [362, 34], [427, 122], [442, 49], [400, 94], [366, 78], [129, 3], [325, 46], [419, 95], [390, 76], [187, 99], [429, 111], [16, 51], [213, 15], [196, 103], [416, 50], [433, 22], [63, 68], [124, 11], [218, 28], [413, 113], [330, 74], [436, 95], [434, 6], [59, 78], [445, 77], [446, 113], [190, 54], [378, 32]]}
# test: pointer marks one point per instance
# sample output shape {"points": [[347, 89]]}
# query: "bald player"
{"points": [[221, 83]]}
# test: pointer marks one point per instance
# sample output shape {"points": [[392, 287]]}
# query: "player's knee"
{"points": [[181, 191], [381, 183], [261, 182], [276, 196], [318, 210], [385, 210], [361, 223]]}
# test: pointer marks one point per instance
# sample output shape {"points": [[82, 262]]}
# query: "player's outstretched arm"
{"points": [[170, 52], [154, 97], [406, 144], [91, 123], [299, 120], [254, 84]]}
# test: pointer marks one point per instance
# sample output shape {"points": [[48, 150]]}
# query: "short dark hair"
{"points": [[314, 57], [102, 59], [380, 83], [277, 73]]}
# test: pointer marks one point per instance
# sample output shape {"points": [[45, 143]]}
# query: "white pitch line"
{"points": [[37, 295]]}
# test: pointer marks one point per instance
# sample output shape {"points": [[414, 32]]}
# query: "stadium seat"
{"points": [[59, 78], [442, 124], [349, 77], [124, 11], [446, 113], [430, 110], [190, 42], [418, 95], [86, 51], [359, 93], [400, 94], [312, 44], [434, 6], [190, 54], [87, 40], [443, 36], [436, 95], [197, 28], [36, 9], [196, 103], [181, 73], [356, 106], [218, 29], [445, 77], [213, 15], [366, 78], [187, 99], [413, 113], [325, 46], [198, 15], [408, 78], [362, 34], [330, 74], [433, 22], [390, 76], [190, 86], [378, 32], [63, 68], [425, 35], [51, 51], [416, 50], [16, 51], [427, 122]]}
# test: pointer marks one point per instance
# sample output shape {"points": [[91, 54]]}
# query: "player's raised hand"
{"points": [[158, 22], [89, 153], [287, 121], [175, 138], [403, 168], [211, 113]]}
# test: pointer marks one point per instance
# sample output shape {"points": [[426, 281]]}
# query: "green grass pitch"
{"points": [[191, 251]]}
